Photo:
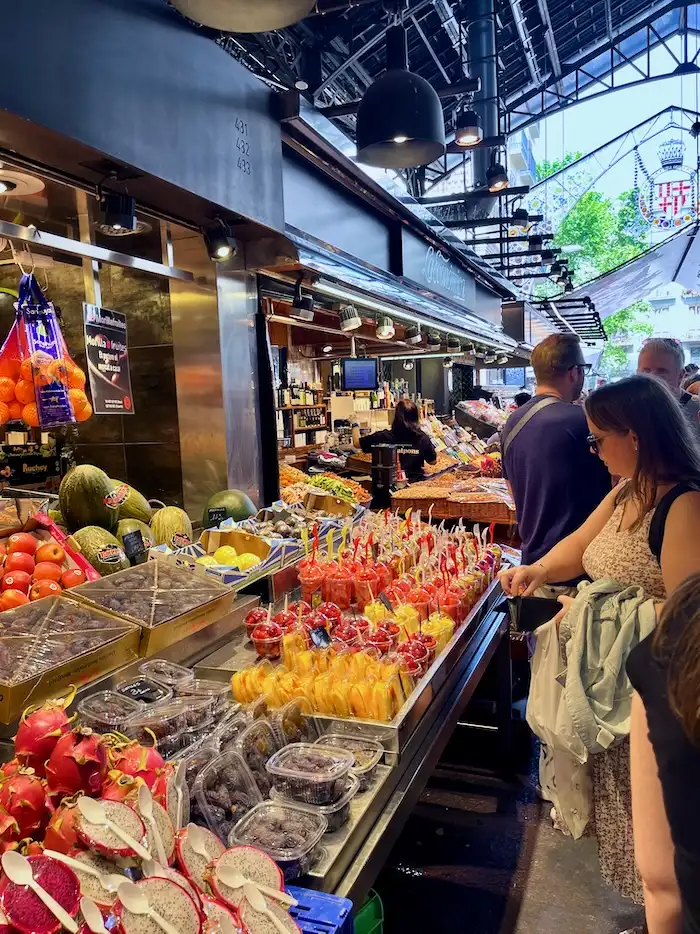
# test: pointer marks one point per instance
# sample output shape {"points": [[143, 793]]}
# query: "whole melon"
{"points": [[171, 526], [135, 525], [83, 499], [236, 505], [135, 506], [101, 549]]}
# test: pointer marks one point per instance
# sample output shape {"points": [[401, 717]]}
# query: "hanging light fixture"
{"points": [[521, 216], [349, 318], [433, 341], [556, 268], [408, 364], [453, 345], [413, 335], [469, 349], [118, 210], [562, 277], [447, 363], [245, 15], [535, 242], [569, 286], [221, 246], [496, 176], [400, 124], [468, 127], [385, 328], [302, 304], [490, 357], [502, 360]]}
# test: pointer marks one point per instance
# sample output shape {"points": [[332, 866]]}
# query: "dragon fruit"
{"points": [[144, 762], [214, 911], [9, 768], [257, 923], [90, 885], [251, 863], [61, 833], [78, 763], [165, 829], [26, 912], [23, 796], [40, 728], [9, 831], [120, 787], [193, 864], [151, 868], [102, 839], [169, 900]]}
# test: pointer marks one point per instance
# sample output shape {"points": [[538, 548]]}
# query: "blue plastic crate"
{"points": [[318, 913]]}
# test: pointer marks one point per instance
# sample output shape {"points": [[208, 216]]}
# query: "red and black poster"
{"points": [[108, 360]]}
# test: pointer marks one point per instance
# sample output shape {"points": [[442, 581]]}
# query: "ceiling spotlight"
{"points": [[591, 305], [535, 242], [562, 277], [221, 246], [118, 210], [6, 185], [349, 318], [453, 345], [301, 85], [546, 256], [385, 328], [490, 357], [502, 360], [521, 216], [408, 364], [695, 129], [433, 341], [302, 304], [413, 334], [556, 268], [468, 128], [469, 349], [400, 123], [569, 286], [496, 177], [328, 348], [447, 363]]}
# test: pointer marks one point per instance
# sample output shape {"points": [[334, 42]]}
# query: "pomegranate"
{"points": [[78, 763], [119, 786], [61, 834], [40, 728], [23, 796], [144, 762]]}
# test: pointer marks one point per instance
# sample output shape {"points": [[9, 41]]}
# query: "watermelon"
{"points": [[83, 498], [228, 504], [135, 525], [132, 505], [101, 549], [171, 526]]}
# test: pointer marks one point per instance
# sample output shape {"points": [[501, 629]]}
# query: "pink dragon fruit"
{"points": [[78, 763], [120, 787], [61, 833], [40, 728], [23, 796], [9, 831], [26, 912], [144, 762], [193, 864]]}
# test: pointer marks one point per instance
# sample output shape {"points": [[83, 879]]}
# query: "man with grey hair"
{"points": [[555, 480], [663, 358]]}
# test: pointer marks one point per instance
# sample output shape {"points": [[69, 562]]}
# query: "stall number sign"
{"points": [[107, 351]]}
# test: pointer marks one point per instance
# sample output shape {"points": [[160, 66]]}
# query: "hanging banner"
{"points": [[107, 360]]}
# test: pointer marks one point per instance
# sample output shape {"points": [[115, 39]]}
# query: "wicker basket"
{"points": [[460, 507]]}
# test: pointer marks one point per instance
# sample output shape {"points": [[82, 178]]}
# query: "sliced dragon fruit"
{"points": [[165, 829], [170, 901], [193, 864], [26, 912], [252, 864], [105, 841], [214, 911], [151, 868], [257, 923], [90, 886]]}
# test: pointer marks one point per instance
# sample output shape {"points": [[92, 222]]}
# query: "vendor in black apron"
{"points": [[414, 447]]}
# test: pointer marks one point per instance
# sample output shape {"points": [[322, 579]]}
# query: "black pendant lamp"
{"points": [[245, 15], [400, 124]]}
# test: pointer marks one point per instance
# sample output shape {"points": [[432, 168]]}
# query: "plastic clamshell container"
{"points": [[337, 814], [196, 757], [167, 721], [257, 744], [230, 727], [287, 833], [217, 692], [309, 773], [367, 752], [144, 690], [107, 711], [257, 708], [224, 792], [293, 723], [167, 673]]}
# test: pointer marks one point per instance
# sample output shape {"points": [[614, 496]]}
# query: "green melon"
{"points": [[101, 549], [171, 526], [57, 516], [83, 497], [228, 504], [135, 525], [135, 506]]}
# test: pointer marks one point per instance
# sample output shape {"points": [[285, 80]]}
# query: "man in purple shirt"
{"points": [[555, 479]]}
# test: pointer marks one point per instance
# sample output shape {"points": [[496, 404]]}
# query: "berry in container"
{"points": [[107, 711], [367, 754], [336, 814], [309, 773], [258, 615], [167, 673], [267, 639], [256, 745], [287, 833], [224, 792]]}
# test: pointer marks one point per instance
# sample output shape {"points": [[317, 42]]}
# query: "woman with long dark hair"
{"points": [[642, 535], [415, 448]]}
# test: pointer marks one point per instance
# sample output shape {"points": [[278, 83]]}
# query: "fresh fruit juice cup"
{"points": [[338, 587], [384, 577], [408, 619], [420, 599], [409, 672], [311, 580], [376, 612], [450, 606], [286, 620], [305, 608], [418, 651], [379, 640], [360, 622], [331, 611], [442, 627], [365, 587], [347, 635], [405, 585], [253, 618]]}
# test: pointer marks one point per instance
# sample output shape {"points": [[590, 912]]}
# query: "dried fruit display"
{"points": [[256, 745], [367, 752], [224, 792], [290, 475], [152, 593], [309, 773], [337, 814], [289, 835]]}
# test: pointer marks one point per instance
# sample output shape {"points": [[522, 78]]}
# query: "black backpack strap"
{"points": [[542, 403], [657, 526]]}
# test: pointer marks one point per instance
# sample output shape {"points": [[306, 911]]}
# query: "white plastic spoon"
{"points": [[19, 870], [226, 925], [135, 901], [255, 899], [146, 809], [180, 787], [196, 840], [92, 915], [236, 880], [94, 812], [110, 882]]}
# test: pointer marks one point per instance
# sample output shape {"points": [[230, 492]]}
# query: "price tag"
{"points": [[217, 515], [134, 546], [320, 637]]}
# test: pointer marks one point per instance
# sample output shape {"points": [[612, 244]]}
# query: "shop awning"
{"points": [[351, 281]]}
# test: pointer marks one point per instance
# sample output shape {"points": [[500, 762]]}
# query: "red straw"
{"points": [[476, 547], [492, 529], [464, 558], [356, 545]]}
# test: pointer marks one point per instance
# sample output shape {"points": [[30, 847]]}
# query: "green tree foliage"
{"points": [[548, 167], [621, 327]]}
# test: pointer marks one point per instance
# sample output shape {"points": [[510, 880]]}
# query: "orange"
{"points": [[78, 399], [24, 392], [7, 389], [10, 367], [26, 371], [85, 413], [58, 370], [4, 413], [76, 377], [15, 411], [30, 415]]}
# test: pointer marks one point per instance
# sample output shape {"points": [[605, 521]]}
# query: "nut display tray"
{"points": [[151, 594]]}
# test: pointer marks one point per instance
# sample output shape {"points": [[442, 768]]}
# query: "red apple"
{"points": [[19, 561], [12, 598], [47, 571], [44, 588], [73, 577], [21, 541], [50, 551], [16, 580]]}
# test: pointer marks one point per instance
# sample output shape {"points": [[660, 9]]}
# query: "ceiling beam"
{"points": [[431, 50], [525, 239], [526, 42], [550, 41], [498, 256], [471, 195]]}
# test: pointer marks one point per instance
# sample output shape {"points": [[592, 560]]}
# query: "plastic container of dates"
{"points": [[293, 723], [168, 721], [107, 711], [196, 757], [224, 792], [218, 693], [167, 673], [337, 814], [309, 773], [288, 834], [229, 728], [368, 753], [144, 690], [256, 745]]}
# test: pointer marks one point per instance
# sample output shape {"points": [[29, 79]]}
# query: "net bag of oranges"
{"points": [[40, 384]]}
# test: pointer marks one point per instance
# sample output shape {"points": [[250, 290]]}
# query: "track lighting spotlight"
{"points": [[349, 318], [408, 364], [468, 128], [453, 344], [118, 210], [496, 177], [413, 335], [221, 246], [302, 304], [447, 363], [385, 328], [521, 216]]}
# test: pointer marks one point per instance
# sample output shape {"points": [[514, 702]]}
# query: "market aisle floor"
{"points": [[479, 856]]}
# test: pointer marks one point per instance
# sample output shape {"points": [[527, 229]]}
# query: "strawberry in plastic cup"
{"points": [[267, 639], [331, 611], [346, 634], [286, 620], [360, 622], [429, 641], [392, 629], [258, 615], [416, 650], [305, 608], [365, 586], [380, 640]]}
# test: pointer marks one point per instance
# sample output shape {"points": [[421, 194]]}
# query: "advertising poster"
{"points": [[108, 360]]}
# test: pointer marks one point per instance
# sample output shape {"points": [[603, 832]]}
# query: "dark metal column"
{"points": [[482, 64]]}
